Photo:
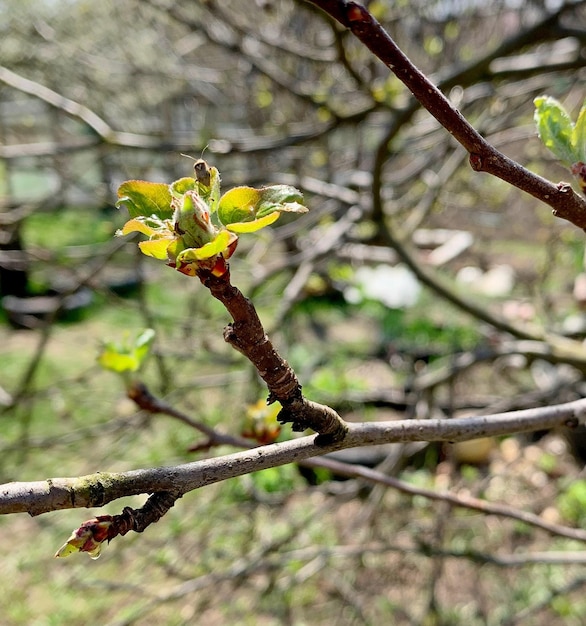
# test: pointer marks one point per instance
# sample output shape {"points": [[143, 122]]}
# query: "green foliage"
{"points": [[127, 357], [191, 226], [415, 327], [330, 381], [66, 227], [557, 131], [572, 503], [141, 197], [276, 479]]}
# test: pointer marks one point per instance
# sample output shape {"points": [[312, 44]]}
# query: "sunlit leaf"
{"points": [[216, 246], [143, 344], [187, 234], [243, 205], [137, 226], [280, 198], [251, 227], [157, 248], [555, 128], [144, 198], [65, 550], [114, 361], [129, 356], [238, 205], [212, 195], [579, 135], [145, 338], [179, 187]]}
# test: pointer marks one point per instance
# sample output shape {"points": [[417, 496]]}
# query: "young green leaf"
{"points": [[127, 357], [246, 204], [89, 537], [238, 205], [138, 225], [143, 198], [252, 227], [280, 198], [207, 251], [555, 128], [156, 248], [579, 136], [179, 187], [191, 227], [143, 343]]}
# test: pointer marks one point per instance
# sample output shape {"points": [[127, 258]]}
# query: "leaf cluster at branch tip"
{"points": [[191, 226], [557, 131]]}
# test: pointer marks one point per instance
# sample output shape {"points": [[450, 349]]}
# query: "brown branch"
{"points": [[139, 519], [246, 334], [483, 156], [463, 501]]}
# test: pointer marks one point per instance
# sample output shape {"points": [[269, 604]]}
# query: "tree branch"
{"points": [[96, 490], [483, 156], [246, 334]]}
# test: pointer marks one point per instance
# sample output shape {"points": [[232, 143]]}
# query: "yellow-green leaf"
{"points": [[118, 362], [251, 227], [579, 135], [238, 205], [157, 248], [65, 550], [179, 187], [555, 128], [280, 198], [144, 198], [136, 226], [216, 246]]}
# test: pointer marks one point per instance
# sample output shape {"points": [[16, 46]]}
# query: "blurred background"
{"points": [[414, 287]]}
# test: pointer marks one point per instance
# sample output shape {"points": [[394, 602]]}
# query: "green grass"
{"points": [[69, 227]]}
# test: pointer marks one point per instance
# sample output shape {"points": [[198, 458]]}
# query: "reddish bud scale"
{"points": [[475, 162], [356, 13], [579, 171]]}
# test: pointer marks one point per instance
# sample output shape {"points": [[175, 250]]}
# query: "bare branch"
{"points": [[467, 502], [483, 156], [95, 490], [246, 334]]}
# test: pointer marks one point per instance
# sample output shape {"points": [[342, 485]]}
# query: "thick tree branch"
{"points": [[96, 490], [483, 156]]}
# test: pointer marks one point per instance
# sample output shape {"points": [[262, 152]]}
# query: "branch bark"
{"points": [[483, 156], [96, 490], [246, 334]]}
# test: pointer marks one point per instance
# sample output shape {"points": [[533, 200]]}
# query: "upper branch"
{"points": [[483, 156]]}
